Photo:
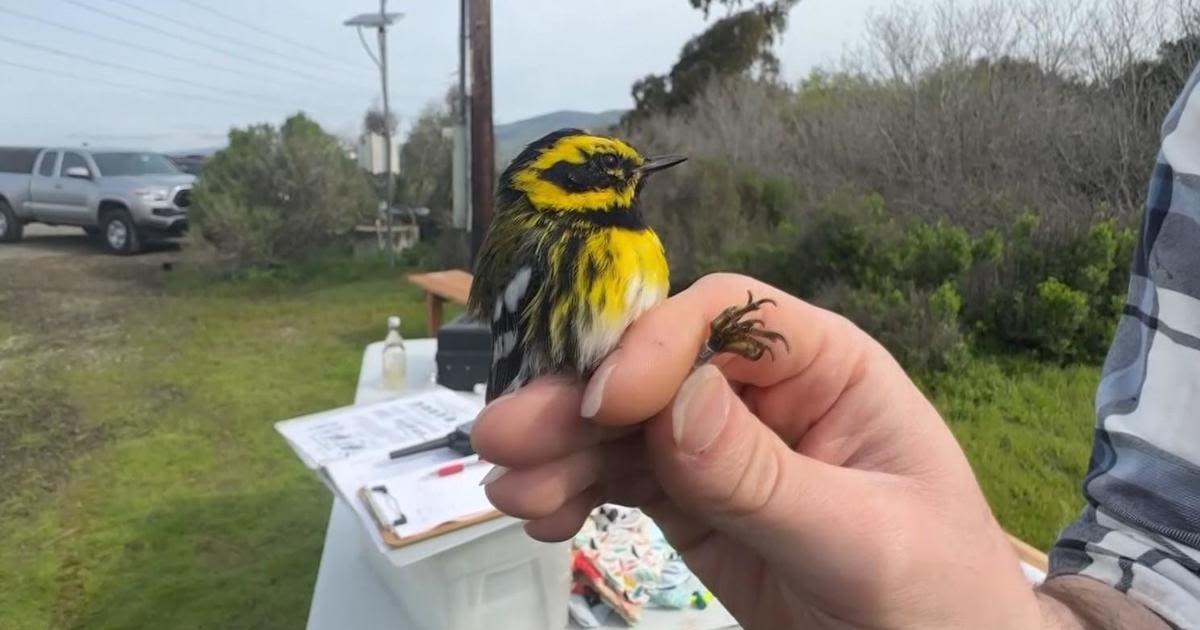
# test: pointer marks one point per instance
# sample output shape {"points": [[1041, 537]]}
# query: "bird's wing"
{"points": [[508, 321], [509, 271]]}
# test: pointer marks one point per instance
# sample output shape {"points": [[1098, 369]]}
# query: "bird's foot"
{"points": [[744, 337]]}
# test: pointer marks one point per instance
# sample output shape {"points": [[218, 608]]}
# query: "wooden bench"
{"points": [[453, 285], [1029, 554]]}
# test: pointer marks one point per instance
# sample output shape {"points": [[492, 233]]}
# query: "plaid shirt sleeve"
{"points": [[1140, 530]]}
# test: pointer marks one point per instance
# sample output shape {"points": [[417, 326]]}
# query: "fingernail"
{"points": [[495, 473], [700, 410], [594, 394]]}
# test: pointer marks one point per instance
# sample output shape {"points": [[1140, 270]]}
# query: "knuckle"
{"points": [[759, 483]]}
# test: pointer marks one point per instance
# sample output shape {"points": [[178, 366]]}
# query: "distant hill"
{"points": [[513, 136]]}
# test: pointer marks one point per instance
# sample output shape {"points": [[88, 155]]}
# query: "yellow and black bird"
{"points": [[569, 262]]}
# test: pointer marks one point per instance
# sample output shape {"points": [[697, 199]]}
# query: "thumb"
{"points": [[716, 460]]}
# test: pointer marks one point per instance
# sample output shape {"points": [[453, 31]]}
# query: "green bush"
{"points": [[919, 327], [1059, 313], [1057, 295], [852, 239], [897, 280], [838, 243], [934, 254], [924, 288], [705, 212], [280, 195]]}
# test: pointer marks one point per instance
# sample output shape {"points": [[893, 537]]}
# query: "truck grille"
{"points": [[183, 198]]}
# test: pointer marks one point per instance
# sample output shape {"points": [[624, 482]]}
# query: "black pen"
{"points": [[458, 440]]}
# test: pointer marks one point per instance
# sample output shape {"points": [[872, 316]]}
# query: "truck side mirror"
{"points": [[78, 172]]}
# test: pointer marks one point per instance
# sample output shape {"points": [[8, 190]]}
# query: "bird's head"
{"points": [[571, 171]]}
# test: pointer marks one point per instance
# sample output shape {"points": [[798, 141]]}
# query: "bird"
{"points": [[568, 262]]}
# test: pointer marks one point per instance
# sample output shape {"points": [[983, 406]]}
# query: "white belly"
{"points": [[597, 337]]}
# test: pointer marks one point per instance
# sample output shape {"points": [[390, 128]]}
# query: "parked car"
{"points": [[124, 197], [190, 164]]}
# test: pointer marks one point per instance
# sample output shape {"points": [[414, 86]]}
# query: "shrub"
{"points": [[919, 327], [711, 207], [1058, 295], [1059, 313], [279, 195], [853, 239], [933, 254], [922, 288]]}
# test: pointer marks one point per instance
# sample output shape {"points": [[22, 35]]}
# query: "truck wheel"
{"points": [[10, 226], [119, 233]]}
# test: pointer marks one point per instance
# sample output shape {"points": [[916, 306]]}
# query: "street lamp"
{"points": [[380, 21]]}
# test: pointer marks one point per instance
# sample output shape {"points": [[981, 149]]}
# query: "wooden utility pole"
{"points": [[483, 150]]}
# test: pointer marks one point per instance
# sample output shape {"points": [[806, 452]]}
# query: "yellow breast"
{"points": [[623, 274]]}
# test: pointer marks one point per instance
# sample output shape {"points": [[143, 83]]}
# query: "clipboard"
{"points": [[392, 540], [419, 505]]}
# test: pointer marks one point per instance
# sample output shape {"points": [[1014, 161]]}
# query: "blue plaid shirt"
{"points": [[1140, 530]]}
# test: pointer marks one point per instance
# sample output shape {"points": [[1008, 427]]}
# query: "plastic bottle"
{"points": [[395, 358]]}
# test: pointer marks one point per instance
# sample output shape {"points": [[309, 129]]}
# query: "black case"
{"points": [[464, 353]]}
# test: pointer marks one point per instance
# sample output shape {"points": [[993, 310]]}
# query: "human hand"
{"points": [[817, 490]]}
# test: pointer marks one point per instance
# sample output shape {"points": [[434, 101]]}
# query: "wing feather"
{"points": [[510, 367]]}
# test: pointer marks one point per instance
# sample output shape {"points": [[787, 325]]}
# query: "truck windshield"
{"points": [[124, 164]]}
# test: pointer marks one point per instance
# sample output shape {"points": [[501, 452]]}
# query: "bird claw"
{"points": [[746, 338]]}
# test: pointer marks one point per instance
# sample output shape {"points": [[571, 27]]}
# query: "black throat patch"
{"points": [[628, 218]]}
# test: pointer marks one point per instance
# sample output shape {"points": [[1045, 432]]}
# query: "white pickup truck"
{"points": [[123, 197]]}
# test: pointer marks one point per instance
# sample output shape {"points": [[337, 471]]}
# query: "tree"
{"points": [[426, 155], [375, 122], [1150, 86], [277, 195], [737, 44]]}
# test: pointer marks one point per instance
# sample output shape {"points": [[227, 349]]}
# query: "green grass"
{"points": [[146, 486], [181, 507], [1027, 429]]}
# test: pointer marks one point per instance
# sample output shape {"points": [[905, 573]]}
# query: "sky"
{"points": [[178, 74]]}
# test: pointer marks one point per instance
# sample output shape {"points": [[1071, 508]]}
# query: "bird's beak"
{"points": [[659, 163]]}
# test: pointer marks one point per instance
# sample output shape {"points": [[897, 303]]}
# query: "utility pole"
{"points": [[483, 153], [381, 21], [387, 135], [460, 175]]}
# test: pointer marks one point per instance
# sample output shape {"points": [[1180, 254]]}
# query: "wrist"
{"points": [[1075, 602]]}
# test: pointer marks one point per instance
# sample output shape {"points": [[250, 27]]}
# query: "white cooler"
{"points": [[497, 578]]}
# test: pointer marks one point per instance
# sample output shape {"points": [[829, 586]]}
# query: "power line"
{"points": [[117, 84], [192, 27], [197, 42], [201, 43], [258, 29], [118, 66], [149, 49]]}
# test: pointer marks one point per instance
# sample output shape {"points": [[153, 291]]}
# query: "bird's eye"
{"points": [[609, 160]]}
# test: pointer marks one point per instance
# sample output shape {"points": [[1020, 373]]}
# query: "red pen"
{"points": [[452, 469]]}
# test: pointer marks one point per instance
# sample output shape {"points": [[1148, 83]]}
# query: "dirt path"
{"points": [[62, 257], [43, 241], [63, 296]]}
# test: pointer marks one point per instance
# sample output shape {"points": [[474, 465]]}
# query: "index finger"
{"points": [[640, 378], [536, 424]]}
